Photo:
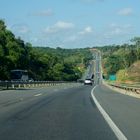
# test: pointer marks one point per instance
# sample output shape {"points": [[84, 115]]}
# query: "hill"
{"points": [[134, 72], [42, 63], [122, 61]]}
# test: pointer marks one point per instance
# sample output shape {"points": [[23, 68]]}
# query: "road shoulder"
{"points": [[124, 110]]}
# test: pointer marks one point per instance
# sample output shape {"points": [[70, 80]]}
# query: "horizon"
{"points": [[72, 24]]}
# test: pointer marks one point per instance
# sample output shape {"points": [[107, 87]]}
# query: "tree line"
{"points": [[119, 58], [42, 63]]}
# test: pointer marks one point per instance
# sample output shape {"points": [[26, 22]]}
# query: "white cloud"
{"points": [[126, 12], [59, 26], [34, 39], [118, 30], [87, 30], [78, 35], [71, 38], [64, 25], [113, 25], [44, 13], [20, 28], [24, 30], [125, 26]]}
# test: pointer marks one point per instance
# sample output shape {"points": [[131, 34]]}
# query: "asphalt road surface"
{"points": [[123, 109], [55, 113]]}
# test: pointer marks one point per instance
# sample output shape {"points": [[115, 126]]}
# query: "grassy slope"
{"points": [[130, 75]]}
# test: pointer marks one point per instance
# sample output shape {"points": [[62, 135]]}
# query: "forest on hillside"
{"points": [[45, 63], [122, 61], [42, 63]]}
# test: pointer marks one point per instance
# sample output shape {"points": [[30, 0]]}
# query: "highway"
{"points": [[69, 112], [124, 110], [53, 114]]}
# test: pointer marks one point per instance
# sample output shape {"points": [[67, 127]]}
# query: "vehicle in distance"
{"points": [[88, 82], [19, 75]]}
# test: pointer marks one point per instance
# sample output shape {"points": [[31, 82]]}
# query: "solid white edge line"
{"points": [[38, 95], [112, 125]]}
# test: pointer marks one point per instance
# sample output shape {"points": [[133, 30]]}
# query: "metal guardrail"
{"points": [[135, 85], [21, 84], [127, 88]]}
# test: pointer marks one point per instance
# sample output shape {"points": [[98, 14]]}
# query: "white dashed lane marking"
{"points": [[38, 95]]}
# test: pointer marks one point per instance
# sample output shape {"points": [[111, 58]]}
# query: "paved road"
{"points": [[97, 69], [124, 110], [60, 114], [67, 112]]}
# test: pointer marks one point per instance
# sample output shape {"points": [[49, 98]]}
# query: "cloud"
{"points": [[118, 30], [71, 38], [87, 30], [59, 26], [125, 12], [44, 13], [77, 35], [34, 39], [20, 28], [64, 25]]}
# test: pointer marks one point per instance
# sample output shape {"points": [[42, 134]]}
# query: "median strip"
{"points": [[110, 122]]}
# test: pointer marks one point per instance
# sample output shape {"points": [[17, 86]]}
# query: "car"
{"points": [[31, 80], [88, 82]]}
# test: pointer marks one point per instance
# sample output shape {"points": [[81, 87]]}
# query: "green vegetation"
{"points": [[45, 63], [123, 61], [42, 63]]}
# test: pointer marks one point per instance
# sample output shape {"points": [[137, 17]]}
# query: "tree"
{"points": [[41, 63], [112, 64], [136, 40]]}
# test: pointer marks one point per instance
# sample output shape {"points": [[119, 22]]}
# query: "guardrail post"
{"points": [[24, 84], [13, 86], [7, 85]]}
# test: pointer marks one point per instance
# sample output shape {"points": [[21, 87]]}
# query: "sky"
{"points": [[72, 23]]}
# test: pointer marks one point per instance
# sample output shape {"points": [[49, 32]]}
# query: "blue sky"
{"points": [[72, 23]]}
